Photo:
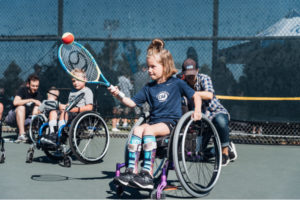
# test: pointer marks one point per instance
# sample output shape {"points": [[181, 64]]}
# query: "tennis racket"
{"points": [[74, 102], [75, 56]]}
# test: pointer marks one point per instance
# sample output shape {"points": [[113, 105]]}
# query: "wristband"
{"points": [[121, 95]]}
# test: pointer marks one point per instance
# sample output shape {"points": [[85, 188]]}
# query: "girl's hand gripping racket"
{"points": [[75, 56]]}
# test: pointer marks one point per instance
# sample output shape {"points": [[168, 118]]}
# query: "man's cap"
{"points": [[189, 67]]}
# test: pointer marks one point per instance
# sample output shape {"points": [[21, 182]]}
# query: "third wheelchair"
{"points": [[193, 150]]}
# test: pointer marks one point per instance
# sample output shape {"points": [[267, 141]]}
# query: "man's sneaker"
{"points": [[225, 160], [125, 177], [232, 152], [144, 180], [21, 138], [115, 130], [125, 125], [50, 139]]}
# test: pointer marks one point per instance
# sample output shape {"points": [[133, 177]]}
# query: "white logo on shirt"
{"points": [[162, 96]]}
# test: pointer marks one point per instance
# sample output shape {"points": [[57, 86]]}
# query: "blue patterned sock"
{"points": [[134, 148], [149, 152]]}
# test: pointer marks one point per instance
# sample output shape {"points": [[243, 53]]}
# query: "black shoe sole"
{"points": [[118, 181]]}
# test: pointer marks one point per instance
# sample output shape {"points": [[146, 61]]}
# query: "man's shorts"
{"points": [[11, 119]]}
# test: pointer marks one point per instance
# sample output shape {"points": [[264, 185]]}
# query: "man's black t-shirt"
{"points": [[25, 93]]}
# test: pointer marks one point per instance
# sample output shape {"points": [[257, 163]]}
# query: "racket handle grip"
{"points": [[121, 95]]}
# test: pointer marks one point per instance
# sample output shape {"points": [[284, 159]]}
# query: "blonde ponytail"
{"points": [[157, 49]]}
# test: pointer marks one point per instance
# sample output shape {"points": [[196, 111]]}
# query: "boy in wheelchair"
{"points": [[84, 104], [163, 95], [52, 101]]}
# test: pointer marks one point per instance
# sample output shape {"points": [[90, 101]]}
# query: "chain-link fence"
{"points": [[249, 48]]}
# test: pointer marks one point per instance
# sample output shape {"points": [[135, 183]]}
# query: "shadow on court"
{"points": [[260, 172], [56, 177]]}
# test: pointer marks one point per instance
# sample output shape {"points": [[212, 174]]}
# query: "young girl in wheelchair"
{"points": [[163, 95], [85, 104]]}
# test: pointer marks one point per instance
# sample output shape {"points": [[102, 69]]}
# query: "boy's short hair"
{"points": [[53, 91], [79, 71]]}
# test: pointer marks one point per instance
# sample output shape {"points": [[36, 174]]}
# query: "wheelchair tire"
{"points": [[56, 155], [34, 126], [89, 137], [197, 166]]}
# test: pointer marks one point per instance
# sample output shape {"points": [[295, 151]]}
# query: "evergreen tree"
{"points": [[108, 61], [204, 69], [11, 80], [272, 71]]}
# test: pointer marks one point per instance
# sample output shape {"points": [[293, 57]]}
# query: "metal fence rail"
{"points": [[249, 49]]}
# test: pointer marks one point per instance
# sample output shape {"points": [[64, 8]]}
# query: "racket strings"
{"points": [[75, 57]]}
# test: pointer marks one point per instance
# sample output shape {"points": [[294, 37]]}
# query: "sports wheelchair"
{"points": [[193, 150], [87, 137]]}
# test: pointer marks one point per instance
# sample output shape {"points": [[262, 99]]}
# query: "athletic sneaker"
{"points": [[125, 177], [21, 138], [232, 152], [225, 160], [144, 180], [115, 130], [50, 139]]}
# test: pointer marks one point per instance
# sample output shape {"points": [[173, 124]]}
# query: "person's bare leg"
{"points": [[125, 122], [225, 150], [35, 110], [159, 129], [20, 117], [1, 111], [114, 122], [53, 120]]}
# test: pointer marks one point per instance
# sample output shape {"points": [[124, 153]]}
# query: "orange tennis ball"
{"points": [[67, 38]]}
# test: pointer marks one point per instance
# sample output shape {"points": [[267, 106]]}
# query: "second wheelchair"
{"points": [[87, 137]]}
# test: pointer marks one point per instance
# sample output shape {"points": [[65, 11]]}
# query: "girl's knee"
{"points": [[148, 131], [138, 131]]}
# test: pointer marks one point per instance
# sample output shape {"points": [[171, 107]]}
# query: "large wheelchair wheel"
{"points": [[159, 162], [89, 137], [197, 155], [35, 124]]}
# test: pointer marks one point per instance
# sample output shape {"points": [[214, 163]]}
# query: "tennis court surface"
{"points": [[260, 172]]}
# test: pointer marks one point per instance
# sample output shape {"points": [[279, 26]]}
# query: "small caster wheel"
{"points": [[29, 157], [67, 161], [157, 195], [119, 190], [2, 157]]}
